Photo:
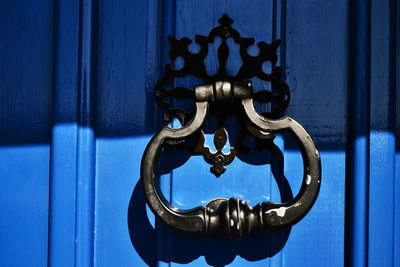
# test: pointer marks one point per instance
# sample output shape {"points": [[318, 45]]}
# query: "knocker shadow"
{"points": [[181, 248]]}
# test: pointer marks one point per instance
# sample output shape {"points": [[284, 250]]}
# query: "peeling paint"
{"points": [[308, 180], [281, 211]]}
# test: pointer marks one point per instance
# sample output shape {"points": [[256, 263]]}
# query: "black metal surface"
{"points": [[194, 65], [218, 159], [222, 95]]}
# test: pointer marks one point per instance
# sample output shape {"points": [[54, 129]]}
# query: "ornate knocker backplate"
{"points": [[221, 95]]}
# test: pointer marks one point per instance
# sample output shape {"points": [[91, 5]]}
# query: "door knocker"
{"points": [[223, 95]]}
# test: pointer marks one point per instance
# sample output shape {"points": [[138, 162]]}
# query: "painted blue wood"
{"points": [[382, 141], [397, 135], [86, 144], [317, 73], [63, 171], [26, 74], [167, 27], [129, 55], [73, 142], [315, 52], [107, 57], [239, 179], [359, 133], [124, 235]]}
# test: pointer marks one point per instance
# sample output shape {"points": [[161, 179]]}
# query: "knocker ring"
{"points": [[220, 95]]}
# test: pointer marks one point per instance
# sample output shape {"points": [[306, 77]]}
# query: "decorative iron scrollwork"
{"points": [[218, 159], [194, 65], [222, 94], [251, 68]]}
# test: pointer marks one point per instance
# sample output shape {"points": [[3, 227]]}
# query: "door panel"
{"points": [[26, 75], [78, 110], [316, 71], [125, 119], [315, 55]]}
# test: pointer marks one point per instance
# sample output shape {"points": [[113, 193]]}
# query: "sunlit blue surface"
{"points": [[24, 209]]}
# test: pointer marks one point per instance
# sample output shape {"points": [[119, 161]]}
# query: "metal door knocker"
{"points": [[222, 95]]}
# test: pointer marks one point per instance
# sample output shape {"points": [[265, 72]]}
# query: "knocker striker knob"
{"points": [[233, 218], [221, 95]]}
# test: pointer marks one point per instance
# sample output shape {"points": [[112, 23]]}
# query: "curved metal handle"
{"points": [[233, 217], [223, 94]]}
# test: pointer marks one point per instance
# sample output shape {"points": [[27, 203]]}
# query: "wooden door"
{"points": [[77, 80]]}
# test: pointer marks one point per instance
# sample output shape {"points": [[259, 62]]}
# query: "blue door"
{"points": [[77, 111]]}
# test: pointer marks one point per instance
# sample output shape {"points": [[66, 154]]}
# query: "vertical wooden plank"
{"points": [[316, 71], [64, 136], [86, 151], [26, 75], [129, 56], [397, 137], [382, 139], [358, 156]]}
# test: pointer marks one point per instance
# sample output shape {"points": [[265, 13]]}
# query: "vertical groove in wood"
{"points": [[358, 137], [167, 27], [282, 36], [396, 248], [279, 32], [153, 59], [382, 140], [87, 87], [64, 136]]}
